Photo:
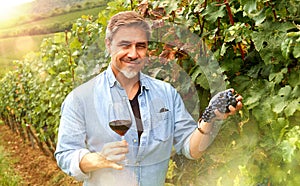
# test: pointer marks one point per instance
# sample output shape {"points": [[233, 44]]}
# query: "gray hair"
{"points": [[127, 19]]}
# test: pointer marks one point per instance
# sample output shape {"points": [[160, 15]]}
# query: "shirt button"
{"points": [[137, 163], [135, 140]]}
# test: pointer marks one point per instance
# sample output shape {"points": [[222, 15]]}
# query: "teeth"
{"points": [[133, 62]]}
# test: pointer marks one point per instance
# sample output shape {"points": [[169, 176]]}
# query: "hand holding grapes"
{"points": [[222, 105]]}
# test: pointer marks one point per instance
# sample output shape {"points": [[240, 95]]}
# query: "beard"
{"points": [[129, 74]]}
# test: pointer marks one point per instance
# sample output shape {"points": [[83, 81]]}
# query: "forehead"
{"points": [[131, 34]]}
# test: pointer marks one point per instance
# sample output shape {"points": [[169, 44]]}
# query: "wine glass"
{"points": [[120, 119], [120, 126]]}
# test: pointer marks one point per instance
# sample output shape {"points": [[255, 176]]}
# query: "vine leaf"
{"points": [[285, 91], [213, 12], [278, 104], [292, 107], [296, 92], [296, 51], [249, 6], [294, 78]]}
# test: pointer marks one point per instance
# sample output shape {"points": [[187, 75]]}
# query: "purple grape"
{"points": [[222, 103]]}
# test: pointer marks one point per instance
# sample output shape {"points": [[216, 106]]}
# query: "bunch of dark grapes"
{"points": [[222, 103]]}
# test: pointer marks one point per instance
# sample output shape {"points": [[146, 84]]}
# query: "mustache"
{"points": [[134, 61]]}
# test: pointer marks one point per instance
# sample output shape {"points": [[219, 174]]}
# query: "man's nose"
{"points": [[132, 53]]}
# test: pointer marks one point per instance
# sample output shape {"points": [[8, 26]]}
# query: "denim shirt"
{"points": [[84, 128]]}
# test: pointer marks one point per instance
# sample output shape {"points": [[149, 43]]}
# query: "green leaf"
{"points": [[171, 6], [202, 80], [75, 44], [279, 107], [258, 40], [294, 78], [291, 108], [285, 91], [51, 71], [252, 100], [296, 51], [223, 49], [59, 38], [231, 65], [278, 104], [286, 47], [195, 72], [279, 76], [265, 117], [213, 12], [280, 127], [241, 82], [259, 17], [290, 144], [296, 92], [249, 6], [288, 151]]}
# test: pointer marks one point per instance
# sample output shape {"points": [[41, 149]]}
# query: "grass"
{"points": [[8, 176]]}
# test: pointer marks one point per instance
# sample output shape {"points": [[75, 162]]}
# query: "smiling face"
{"points": [[128, 50]]}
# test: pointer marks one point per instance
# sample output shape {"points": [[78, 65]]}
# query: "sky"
{"points": [[7, 8], [5, 3]]}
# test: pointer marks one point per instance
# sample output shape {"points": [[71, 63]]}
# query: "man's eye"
{"points": [[141, 46], [124, 45]]}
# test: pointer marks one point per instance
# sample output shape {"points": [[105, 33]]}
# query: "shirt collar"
{"points": [[111, 77], [144, 81], [113, 81]]}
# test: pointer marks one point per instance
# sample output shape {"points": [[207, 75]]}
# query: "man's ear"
{"points": [[107, 44]]}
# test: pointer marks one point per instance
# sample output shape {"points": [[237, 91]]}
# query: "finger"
{"points": [[116, 144], [232, 110], [239, 98], [110, 161], [115, 151], [239, 105], [112, 164], [119, 150], [116, 158], [220, 115], [116, 166]]}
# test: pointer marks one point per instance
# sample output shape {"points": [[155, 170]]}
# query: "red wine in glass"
{"points": [[120, 126]]}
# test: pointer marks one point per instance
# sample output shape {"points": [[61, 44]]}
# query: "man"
{"points": [[90, 150]]}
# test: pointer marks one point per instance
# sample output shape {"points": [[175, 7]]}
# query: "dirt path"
{"points": [[31, 164]]}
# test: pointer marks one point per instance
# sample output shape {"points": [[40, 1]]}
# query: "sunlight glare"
{"points": [[7, 8]]}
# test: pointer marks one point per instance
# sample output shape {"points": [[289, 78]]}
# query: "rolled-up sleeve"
{"points": [[71, 145], [184, 126]]}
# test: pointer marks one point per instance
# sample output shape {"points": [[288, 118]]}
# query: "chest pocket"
{"points": [[161, 126]]}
